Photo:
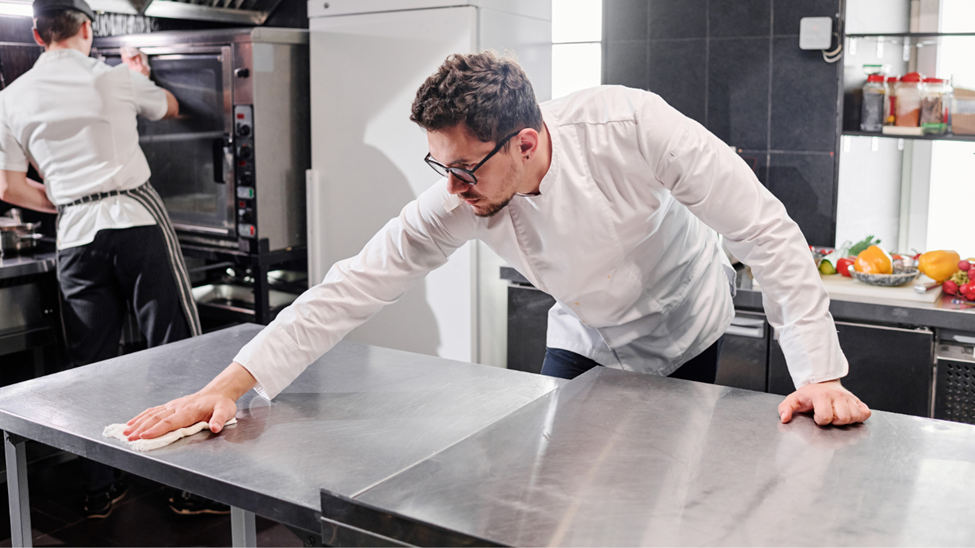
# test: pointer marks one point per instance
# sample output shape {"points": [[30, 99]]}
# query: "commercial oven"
{"points": [[231, 167]]}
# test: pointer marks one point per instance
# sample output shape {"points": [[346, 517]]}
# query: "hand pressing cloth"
{"points": [[115, 431]]}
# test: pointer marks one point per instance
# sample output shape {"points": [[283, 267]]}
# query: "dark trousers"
{"points": [[565, 364], [99, 281]]}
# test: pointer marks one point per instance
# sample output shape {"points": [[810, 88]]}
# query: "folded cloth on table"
{"points": [[115, 431]]}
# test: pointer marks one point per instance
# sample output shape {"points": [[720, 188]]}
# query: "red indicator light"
{"points": [[242, 204], [240, 116], [242, 162]]}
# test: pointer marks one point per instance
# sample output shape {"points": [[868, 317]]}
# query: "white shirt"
{"points": [[73, 117], [622, 234]]}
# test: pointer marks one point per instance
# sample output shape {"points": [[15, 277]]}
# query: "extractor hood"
{"points": [[247, 12]]}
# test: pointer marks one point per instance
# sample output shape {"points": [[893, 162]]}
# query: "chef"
{"points": [[74, 119], [609, 200]]}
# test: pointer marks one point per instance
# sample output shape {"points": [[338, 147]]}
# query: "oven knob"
{"points": [[242, 72], [244, 152], [243, 130], [247, 179]]}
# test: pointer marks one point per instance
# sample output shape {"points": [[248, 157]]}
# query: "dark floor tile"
{"points": [[806, 185], [739, 18], [625, 20], [804, 98], [787, 13], [738, 84], [626, 64], [678, 73], [681, 19]]}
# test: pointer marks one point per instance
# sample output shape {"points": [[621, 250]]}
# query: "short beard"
{"points": [[495, 208]]}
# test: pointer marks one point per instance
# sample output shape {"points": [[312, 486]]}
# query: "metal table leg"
{"points": [[16, 455], [243, 529]]}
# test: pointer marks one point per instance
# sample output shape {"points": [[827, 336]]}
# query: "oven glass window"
{"points": [[186, 153]]}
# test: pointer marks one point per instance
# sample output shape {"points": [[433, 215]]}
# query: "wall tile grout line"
{"points": [[707, 58], [771, 57]]}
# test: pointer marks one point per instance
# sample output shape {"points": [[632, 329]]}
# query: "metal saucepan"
{"points": [[17, 236]]}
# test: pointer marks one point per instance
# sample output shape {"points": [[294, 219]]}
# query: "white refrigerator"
{"points": [[368, 57]]}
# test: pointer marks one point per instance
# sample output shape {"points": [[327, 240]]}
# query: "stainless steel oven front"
{"points": [[230, 168]]}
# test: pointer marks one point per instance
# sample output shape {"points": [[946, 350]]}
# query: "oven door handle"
{"points": [[223, 149]]}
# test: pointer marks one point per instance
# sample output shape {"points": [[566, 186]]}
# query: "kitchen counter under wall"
{"points": [[942, 314]]}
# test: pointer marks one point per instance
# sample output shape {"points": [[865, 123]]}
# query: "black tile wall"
{"points": [[738, 91], [804, 183], [678, 19], [626, 63], [758, 161], [736, 67], [804, 98], [787, 13], [688, 93], [628, 19], [737, 18]]}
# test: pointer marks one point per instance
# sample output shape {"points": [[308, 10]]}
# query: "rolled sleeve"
{"points": [[150, 99], [704, 174], [12, 154]]}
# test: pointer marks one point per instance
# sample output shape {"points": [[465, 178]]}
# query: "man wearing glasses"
{"points": [[609, 200]]}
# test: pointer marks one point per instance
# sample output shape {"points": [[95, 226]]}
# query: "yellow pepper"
{"points": [[873, 260], [938, 265]]}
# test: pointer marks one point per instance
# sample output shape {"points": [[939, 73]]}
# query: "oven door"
{"points": [[191, 156]]}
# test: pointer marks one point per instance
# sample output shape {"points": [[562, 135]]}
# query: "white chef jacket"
{"points": [[621, 233], [73, 117]]}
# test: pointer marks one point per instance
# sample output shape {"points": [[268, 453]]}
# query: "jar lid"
{"points": [[875, 78], [892, 79], [911, 77], [934, 80]]}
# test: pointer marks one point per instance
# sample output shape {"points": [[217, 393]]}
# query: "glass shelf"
{"points": [[943, 137]]}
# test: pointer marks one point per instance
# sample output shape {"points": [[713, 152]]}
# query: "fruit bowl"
{"points": [[901, 276]]}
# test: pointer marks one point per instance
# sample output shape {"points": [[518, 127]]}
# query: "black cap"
{"points": [[45, 6]]}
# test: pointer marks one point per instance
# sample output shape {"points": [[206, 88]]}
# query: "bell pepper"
{"points": [[843, 266], [938, 265], [874, 260]]}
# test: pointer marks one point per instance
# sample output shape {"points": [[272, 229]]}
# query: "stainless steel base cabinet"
{"points": [[891, 369]]}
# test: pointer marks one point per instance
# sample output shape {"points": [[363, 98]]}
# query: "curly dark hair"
{"points": [[489, 93]]}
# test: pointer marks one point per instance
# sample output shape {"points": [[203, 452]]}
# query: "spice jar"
{"points": [[890, 101], [907, 111], [934, 105], [872, 113]]}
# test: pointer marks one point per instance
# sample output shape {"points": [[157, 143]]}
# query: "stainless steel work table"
{"points": [[623, 459], [358, 415]]}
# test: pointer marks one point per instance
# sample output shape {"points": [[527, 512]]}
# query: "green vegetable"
{"points": [[863, 244], [827, 268]]}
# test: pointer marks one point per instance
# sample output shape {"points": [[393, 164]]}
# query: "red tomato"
{"points": [[843, 266]]}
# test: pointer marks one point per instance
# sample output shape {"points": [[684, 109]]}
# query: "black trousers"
{"points": [[138, 265], [566, 364]]}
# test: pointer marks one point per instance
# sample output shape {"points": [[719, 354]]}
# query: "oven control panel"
{"points": [[246, 192]]}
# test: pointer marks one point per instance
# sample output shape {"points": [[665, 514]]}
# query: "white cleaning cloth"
{"points": [[115, 431]]}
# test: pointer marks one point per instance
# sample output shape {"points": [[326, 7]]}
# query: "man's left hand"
{"points": [[829, 402]]}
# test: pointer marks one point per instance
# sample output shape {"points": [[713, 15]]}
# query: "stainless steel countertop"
{"points": [[623, 459], [355, 417], [15, 266]]}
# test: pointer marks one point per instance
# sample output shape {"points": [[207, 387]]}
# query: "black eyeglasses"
{"points": [[465, 175]]}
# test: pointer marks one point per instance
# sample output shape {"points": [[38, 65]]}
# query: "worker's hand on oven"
{"points": [[135, 60], [829, 401], [214, 404]]}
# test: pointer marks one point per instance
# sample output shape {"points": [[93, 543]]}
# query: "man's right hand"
{"points": [[213, 404]]}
